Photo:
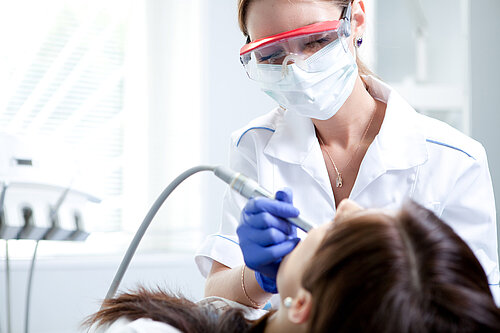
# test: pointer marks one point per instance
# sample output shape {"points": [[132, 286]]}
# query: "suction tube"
{"points": [[241, 184], [145, 224]]}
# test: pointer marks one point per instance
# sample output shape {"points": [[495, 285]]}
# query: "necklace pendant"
{"points": [[339, 181]]}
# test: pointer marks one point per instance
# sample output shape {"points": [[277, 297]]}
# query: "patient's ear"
{"points": [[299, 312]]}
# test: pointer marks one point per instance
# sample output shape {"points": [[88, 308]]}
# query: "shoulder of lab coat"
{"points": [[470, 205], [141, 325], [446, 136]]}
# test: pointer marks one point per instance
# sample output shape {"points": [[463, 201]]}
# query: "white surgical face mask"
{"points": [[317, 95]]}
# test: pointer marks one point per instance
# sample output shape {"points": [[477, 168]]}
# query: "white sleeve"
{"points": [[223, 246], [470, 210]]}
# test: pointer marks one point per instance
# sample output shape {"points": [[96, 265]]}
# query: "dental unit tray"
{"points": [[38, 198]]}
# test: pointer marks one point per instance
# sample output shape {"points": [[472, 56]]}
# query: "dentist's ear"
{"points": [[358, 18], [299, 311]]}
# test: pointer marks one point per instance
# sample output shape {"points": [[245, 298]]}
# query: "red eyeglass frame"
{"points": [[305, 30]]}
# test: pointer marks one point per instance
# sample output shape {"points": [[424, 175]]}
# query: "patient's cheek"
{"points": [[288, 284], [291, 270]]}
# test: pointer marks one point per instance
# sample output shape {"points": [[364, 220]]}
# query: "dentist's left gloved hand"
{"points": [[266, 237]]}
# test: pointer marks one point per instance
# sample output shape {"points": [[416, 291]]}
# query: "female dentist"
{"points": [[338, 133]]}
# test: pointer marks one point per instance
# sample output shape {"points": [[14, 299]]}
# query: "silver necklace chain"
{"points": [[339, 181]]}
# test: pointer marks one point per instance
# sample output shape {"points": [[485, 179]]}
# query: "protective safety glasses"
{"points": [[275, 53]]}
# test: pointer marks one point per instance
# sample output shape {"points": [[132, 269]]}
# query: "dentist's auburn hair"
{"points": [[396, 274], [243, 6]]}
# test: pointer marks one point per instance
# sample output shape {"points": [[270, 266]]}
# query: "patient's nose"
{"points": [[345, 209]]}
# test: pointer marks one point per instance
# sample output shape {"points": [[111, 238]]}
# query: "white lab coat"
{"points": [[413, 156]]}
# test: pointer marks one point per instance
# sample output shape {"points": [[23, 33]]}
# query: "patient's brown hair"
{"points": [[176, 311], [405, 273]]}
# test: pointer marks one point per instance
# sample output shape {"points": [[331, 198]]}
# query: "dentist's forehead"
{"points": [[270, 17]]}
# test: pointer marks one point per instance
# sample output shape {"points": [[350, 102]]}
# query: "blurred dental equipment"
{"points": [[421, 27], [37, 197], [245, 186], [38, 201]]}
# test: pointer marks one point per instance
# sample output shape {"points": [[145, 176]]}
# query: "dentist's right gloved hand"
{"points": [[266, 237]]}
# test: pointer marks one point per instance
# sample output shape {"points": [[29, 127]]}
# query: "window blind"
{"points": [[64, 82]]}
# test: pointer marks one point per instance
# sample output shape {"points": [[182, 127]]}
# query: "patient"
{"points": [[373, 271]]}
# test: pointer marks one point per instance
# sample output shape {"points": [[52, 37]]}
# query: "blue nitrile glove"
{"points": [[266, 237]]}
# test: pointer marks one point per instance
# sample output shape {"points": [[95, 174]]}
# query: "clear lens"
{"points": [[265, 64]]}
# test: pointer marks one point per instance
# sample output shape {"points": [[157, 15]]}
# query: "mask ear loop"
{"points": [[284, 65], [343, 41]]}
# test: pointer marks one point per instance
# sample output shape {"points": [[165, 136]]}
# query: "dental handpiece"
{"points": [[250, 188]]}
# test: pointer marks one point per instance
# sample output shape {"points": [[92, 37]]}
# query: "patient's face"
{"points": [[293, 265]]}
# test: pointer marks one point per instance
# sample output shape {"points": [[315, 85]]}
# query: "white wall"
{"points": [[485, 84], [396, 45], [66, 290]]}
